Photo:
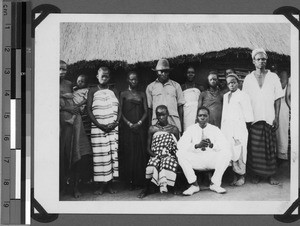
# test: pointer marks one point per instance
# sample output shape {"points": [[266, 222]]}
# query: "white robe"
{"points": [[283, 129], [263, 98], [191, 97], [234, 117]]}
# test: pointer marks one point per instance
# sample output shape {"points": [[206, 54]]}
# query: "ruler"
{"points": [[6, 96], [15, 183]]}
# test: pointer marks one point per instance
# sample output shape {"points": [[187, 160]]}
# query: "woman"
{"points": [[191, 93], [103, 110], [133, 105]]}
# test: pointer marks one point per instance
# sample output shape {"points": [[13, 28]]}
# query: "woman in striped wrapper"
{"points": [[103, 109]]}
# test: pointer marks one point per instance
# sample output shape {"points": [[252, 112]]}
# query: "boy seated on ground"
{"points": [[161, 146]]}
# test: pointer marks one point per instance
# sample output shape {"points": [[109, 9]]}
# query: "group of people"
{"points": [[189, 129]]}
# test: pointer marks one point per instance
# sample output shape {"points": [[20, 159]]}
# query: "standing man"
{"points": [[164, 91], [213, 99], [203, 147], [66, 129], [265, 92]]}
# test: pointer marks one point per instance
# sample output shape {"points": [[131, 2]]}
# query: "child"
{"points": [[236, 118], [78, 98]]}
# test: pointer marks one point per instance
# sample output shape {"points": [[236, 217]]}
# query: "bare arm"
{"points": [[176, 132], [82, 103], [145, 105], [113, 125], [149, 140], [122, 96], [277, 105], [180, 112], [150, 115]]}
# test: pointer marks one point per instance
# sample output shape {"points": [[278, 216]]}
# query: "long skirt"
{"points": [[261, 159], [105, 145]]}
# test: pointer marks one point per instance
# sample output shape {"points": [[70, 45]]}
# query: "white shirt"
{"points": [[263, 99], [235, 114], [238, 109], [194, 133]]}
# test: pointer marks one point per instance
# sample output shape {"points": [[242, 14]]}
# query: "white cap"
{"points": [[256, 51]]}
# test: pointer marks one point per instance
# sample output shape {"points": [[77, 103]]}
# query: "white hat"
{"points": [[233, 75], [256, 51]]}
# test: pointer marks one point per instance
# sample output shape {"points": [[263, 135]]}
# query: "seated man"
{"points": [[161, 146], [203, 147]]}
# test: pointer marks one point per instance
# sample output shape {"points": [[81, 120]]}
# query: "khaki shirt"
{"points": [[169, 94]]}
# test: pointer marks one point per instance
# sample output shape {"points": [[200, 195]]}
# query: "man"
{"points": [[161, 146], [213, 99], [203, 147], [164, 91], [236, 117], [265, 92]]}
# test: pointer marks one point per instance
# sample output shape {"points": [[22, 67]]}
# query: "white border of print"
{"points": [[46, 124]]}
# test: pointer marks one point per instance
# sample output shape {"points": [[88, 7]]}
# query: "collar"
{"points": [[169, 82], [234, 93]]}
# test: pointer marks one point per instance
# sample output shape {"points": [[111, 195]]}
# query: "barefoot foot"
{"points": [[76, 193], [143, 193], [100, 190], [240, 181], [255, 179], [110, 189], [273, 181]]}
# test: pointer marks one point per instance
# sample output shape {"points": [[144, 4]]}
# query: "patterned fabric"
{"points": [[105, 145], [261, 158], [162, 168]]}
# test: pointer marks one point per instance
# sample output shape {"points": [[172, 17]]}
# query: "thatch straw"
{"points": [[141, 42]]}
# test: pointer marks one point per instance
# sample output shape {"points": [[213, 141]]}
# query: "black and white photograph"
{"points": [[166, 114]]}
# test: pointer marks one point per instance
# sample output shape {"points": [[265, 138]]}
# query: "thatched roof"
{"points": [[140, 42]]}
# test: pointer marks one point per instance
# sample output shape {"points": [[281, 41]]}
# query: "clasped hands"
{"points": [[204, 144], [109, 127]]}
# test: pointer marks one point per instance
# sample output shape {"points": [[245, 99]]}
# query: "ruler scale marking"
{"points": [[6, 73]]}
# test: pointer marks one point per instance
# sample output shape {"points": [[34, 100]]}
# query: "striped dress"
{"points": [[105, 145]]}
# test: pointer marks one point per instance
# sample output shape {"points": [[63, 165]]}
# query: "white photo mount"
{"points": [[46, 123]]}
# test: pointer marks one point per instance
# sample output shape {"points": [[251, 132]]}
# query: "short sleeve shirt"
{"points": [[169, 94], [263, 98]]}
